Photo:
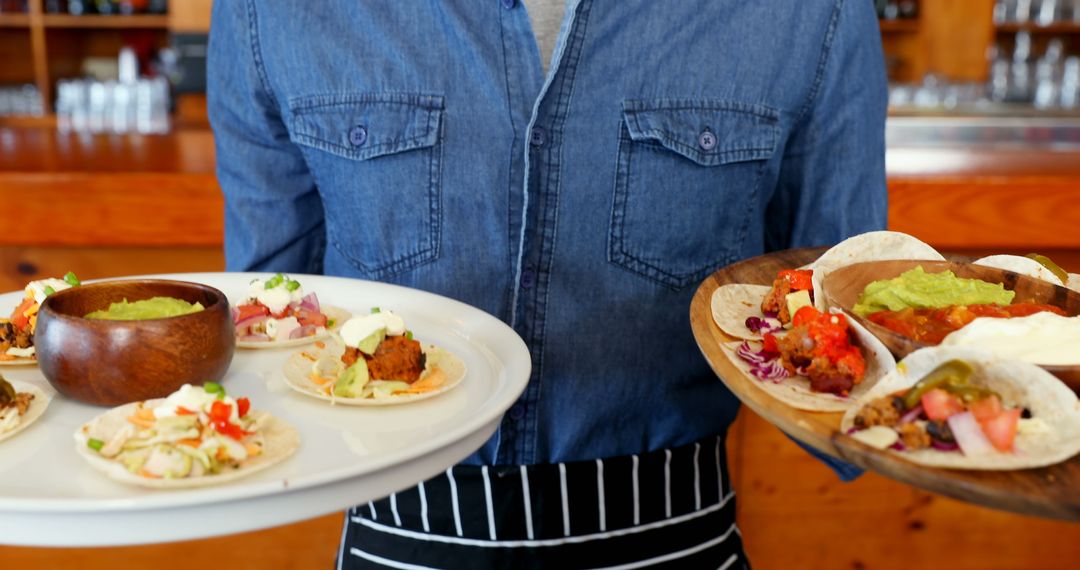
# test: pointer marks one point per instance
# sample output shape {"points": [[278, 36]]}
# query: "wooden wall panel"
{"points": [[302, 546], [951, 213], [190, 16], [19, 264], [134, 209]]}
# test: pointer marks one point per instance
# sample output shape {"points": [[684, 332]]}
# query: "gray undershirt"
{"points": [[546, 17]]}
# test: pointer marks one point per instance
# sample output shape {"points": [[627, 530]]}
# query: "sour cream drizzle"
{"points": [[1042, 338]]}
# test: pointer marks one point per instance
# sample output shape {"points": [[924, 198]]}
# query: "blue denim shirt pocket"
{"points": [[687, 180], [377, 158]]}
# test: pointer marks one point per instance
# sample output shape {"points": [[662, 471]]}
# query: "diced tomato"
{"points": [[18, 318], [986, 408], [182, 411], [306, 317], [230, 430], [799, 279], [804, 315], [769, 345], [242, 406], [220, 411], [939, 404], [248, 311], [1001, 430]]}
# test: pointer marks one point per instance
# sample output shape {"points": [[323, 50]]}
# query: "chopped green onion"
{"points": [[274, 281], [49, 290], [213, 388], [408, 335], [292, 285], [330, 323], [95, 444], [71, 279], [375, 310]]}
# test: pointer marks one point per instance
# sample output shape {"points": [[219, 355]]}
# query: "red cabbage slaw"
{"points": [[760, 325], [763, 365]]}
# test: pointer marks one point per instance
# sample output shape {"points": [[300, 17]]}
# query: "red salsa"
{"points": [[931, 326]]}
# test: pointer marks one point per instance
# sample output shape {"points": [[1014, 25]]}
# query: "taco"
{"points": [[870, 246], [20, 405], [966, 408], [197, 436], [825, 362], [277, 313], [1026, 266], [17, 331], [374, 362]]}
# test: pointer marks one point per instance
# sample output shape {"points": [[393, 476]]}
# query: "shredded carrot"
{"points": [[140, 421], [189, 442], [320, 344], [145, 414], [428, 383], [147, 474], [308, 356], [320, 380], [252, 448], [221, 454]]}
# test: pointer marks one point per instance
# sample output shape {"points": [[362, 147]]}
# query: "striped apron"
{"points": [[671, 508]]}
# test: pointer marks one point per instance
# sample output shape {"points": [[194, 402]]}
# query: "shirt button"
{"points": [[537, 136], [528, 278], [517, 411], [706, 140], [508, 4], [358, 135]]}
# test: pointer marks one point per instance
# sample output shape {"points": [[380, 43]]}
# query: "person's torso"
{"points": [[585, 217]]}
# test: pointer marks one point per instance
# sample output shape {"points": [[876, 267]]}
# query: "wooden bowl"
{"points": [[842, 288], [108, 363]]}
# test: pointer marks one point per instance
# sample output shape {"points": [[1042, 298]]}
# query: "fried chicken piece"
{"points": [[396, 358], [879, 412], [776, 300], [914, 436], [21, 402]]}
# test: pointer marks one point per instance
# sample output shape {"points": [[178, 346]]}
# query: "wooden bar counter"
{"points": [[106, 206]]}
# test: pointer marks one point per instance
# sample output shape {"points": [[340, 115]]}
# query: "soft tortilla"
{"points": [[795, 391], [1021, 265], [870, 246], [732, 304], [336, 314], [281, 441], [19, 361], [1018, 383], [37, 407], [1074, 282], [298, 369]]}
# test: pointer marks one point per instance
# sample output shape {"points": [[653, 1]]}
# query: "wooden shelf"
{"points": [[14, 20], [909, 25], [141, 21], [1057, 28]]}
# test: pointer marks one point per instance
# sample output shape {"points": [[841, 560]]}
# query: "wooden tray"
{"points": [[1052, 492]]}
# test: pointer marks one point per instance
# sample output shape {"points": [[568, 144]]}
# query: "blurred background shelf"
{"points": [[105, 21]]}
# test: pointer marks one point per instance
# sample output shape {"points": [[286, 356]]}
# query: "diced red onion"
{"points": [[261, 337], [942, 446], [770, 314], [250, 321], [968, 435], [762, 325], [301, 332], [898, 446], [912, 414], [310, 302]]}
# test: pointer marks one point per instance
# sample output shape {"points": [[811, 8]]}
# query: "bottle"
{"points": [[78, 7]]}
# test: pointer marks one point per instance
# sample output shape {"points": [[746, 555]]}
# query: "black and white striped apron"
{"points": [[669, 508]]}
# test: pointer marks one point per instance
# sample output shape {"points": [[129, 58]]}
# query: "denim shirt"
{"points": [[418, 142]]}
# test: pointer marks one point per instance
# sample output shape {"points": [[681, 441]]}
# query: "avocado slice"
{"points": [[371, 342], [797, 300], [353, 380]]}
